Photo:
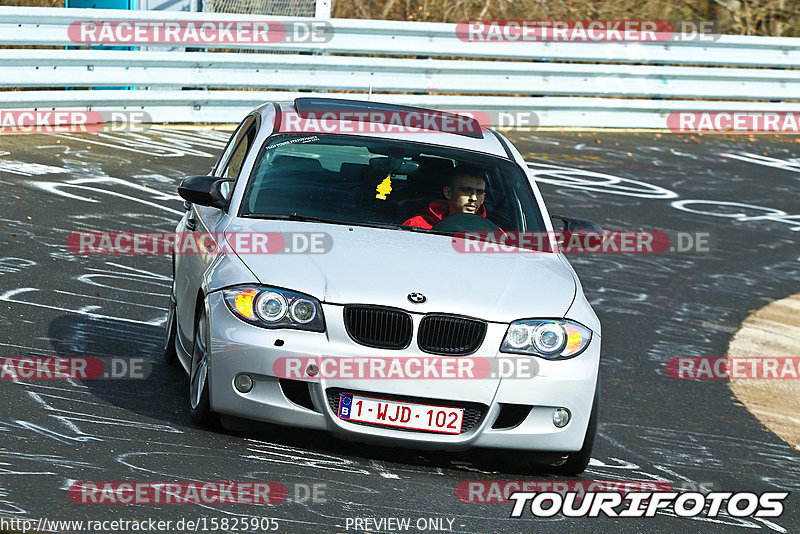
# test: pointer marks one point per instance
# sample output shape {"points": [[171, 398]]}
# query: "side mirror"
{"points": [[573, 224], [204, 191]]}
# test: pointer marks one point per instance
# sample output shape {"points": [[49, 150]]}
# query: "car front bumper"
{"points": [[236, 347]]}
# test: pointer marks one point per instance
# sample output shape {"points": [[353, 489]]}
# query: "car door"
{"points": [[191, 266]]}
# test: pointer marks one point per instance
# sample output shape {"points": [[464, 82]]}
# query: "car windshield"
{"points": [[387, 183]]}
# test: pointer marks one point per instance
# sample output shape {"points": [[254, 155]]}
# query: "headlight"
{"points": [[275, 308], [548, 338], [271, 306], [551, 339], [303, 311]]}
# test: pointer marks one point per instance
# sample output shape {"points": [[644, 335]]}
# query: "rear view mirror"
{"points": [[204, 191], [393, 165]]}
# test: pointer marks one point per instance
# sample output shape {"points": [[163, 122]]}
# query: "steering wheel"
{"points": [[465, 222]]}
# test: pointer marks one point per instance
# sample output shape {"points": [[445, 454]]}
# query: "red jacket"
{"points": [[435, 213]]}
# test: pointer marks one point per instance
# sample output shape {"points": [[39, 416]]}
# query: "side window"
{"points": [[246, 126], [234, 165]]}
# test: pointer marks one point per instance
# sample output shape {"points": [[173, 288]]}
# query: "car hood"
{"points": [[381, 267]]}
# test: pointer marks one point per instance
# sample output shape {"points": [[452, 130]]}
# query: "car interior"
{"points": [[379, 188]]}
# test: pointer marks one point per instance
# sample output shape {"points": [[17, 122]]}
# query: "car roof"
{"points": [[473, 137]]}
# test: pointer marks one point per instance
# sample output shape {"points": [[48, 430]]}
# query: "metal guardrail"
{"points": [[43, 68], [633, 84]]}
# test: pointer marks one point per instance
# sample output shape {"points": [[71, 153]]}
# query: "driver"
{"points": [[465, 192]]}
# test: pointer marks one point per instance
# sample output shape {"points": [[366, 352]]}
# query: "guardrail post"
{"points": [[322, 9]]}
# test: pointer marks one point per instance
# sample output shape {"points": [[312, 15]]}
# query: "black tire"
{"points": [[170, 354], [578, 461], [199, 399]]}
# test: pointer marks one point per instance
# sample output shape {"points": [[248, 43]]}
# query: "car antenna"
{"points": [[369, 96]]}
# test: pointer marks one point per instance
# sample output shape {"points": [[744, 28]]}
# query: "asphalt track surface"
{"points": [[652, 307]]}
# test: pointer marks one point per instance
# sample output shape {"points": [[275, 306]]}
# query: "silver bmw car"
{"points": [[348, 278]]}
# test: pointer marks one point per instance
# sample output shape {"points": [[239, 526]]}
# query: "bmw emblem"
{"points": [[417, 298]]}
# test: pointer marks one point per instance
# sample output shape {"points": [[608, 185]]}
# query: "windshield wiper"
{"points": [[418, 229], [294, 217], [310, 218]]}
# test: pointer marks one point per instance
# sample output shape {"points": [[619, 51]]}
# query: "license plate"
{"points": [[398, 414]]}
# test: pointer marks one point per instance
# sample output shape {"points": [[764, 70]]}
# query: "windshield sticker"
{"points": [[309, 139], [384, 188]]}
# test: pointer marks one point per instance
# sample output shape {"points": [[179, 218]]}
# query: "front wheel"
{"points": [[199, 400]]}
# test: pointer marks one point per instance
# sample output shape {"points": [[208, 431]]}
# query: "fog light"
{"points": [[312, 370], [243, 383], [561, 417]]}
